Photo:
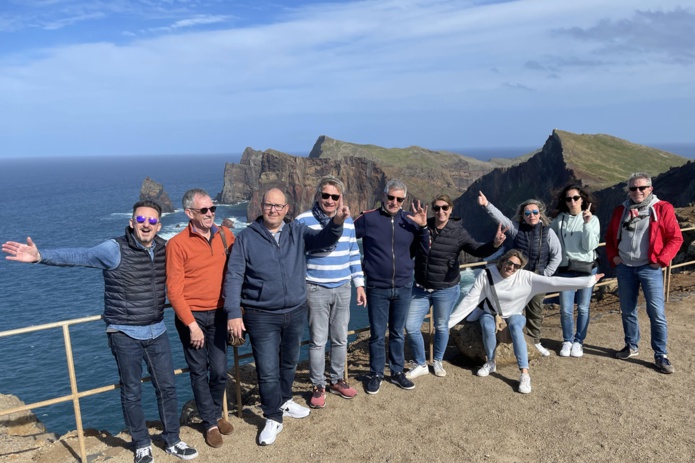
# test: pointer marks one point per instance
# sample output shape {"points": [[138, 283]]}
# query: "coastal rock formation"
{"points": [[155, 192], [258, 171], [468, 337]]}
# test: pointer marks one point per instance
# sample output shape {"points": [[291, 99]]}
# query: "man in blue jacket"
{"points": [[266, 277], [390, 237]]}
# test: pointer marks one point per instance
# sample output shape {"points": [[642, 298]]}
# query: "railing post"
{"points": [[74, 391], [667, 286], [237, 385], [431, 335]]}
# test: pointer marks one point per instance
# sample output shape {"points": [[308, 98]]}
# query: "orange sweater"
{"points": [[195, 270]]}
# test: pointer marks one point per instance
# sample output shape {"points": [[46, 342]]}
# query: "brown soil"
{"points": [[592, 409]]}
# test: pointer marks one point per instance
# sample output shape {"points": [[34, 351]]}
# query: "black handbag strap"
{"points": [[498, 308]]}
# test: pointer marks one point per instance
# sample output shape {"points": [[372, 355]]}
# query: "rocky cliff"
{"points": [[155, 192], [258, 171]]}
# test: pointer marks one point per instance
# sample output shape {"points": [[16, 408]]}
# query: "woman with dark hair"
{"points": [[531, 234], [578, 230], [508, 289], [437, 278]]}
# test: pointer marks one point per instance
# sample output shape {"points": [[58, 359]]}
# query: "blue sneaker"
{"points": [[401, 381], [664, 365], [374, 384]]}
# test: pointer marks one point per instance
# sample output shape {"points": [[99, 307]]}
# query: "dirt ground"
{"points": [[591, 409]]}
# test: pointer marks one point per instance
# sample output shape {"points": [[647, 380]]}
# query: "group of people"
{"points": [[277, 273]]}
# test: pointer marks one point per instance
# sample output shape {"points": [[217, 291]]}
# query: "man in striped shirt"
{"points": [[329, 272]]}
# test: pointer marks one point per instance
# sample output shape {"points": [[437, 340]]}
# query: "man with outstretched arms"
{"points": [[134, 296]]}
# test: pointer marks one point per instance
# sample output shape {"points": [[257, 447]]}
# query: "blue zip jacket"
{"points": [[266, 275], [389, 244]]}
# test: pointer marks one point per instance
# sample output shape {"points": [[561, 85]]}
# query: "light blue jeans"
{"points": [[516, 325], [567, 299], [652, 281], [443, 301], [329, 315]]}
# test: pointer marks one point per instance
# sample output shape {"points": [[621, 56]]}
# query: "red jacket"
{"points": [[665, 237]]}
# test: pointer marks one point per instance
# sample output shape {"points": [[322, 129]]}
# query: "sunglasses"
{"points": [[204, 210], [640, 188], [534, 212], [437, 207], [569, 199], [395, 198], [151, 220], [328, 195], [510, 263]]}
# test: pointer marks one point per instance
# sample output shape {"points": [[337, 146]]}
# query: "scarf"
{"points": [[636, 212], [323, 219]]}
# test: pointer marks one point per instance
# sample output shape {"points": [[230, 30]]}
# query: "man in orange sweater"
{"points": [[196, 263]]}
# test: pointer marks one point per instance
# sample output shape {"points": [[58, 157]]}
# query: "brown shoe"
{"points": [[213, 437], [225, 426]]}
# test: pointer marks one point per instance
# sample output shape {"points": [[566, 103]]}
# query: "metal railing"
{"points": [[75, 395]]}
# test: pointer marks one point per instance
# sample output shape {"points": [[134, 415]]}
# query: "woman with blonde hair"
{"points": [[530, 233]]}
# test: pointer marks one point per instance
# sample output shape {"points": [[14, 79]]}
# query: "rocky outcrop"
{"points": [[297, 176], [468, 337], [154, 191]]}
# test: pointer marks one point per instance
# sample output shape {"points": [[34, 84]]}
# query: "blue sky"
{"points": [[110, 77]]}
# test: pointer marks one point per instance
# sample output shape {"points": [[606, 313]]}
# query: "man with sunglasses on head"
{"points": [[643, 236], [134, 296], [267, 279], [390, 238], [196, 262], [328, 275]]}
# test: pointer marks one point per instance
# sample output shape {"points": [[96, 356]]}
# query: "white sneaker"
{"points": [[525, 383], [577, 350], [566, 348], [419, 370], [270, 432], [438, 368], [544, 352], [485, 370], [294, 410]]}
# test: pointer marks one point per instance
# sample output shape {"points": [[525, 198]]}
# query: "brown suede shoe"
{"points": [[213, 437], [225, 426]]}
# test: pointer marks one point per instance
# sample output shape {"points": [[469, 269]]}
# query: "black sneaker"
{"points": [[627, 352], [182, 450], [664, 365], [374, 384], [401, 381], [144, 455]]}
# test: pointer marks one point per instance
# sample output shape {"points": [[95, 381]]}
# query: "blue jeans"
{"points": [[329, 315], [129, 354], [387, 308], [652, 282], [443, 301], [208, 365], [567, 299], [516, 325], [275, 340]]}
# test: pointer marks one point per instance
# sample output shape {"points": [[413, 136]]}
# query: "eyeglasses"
{"points": [[534, 212], [513, 264], [436, 207], [640, 188], [151, 220], [395, 198], [569, 199], [328, 195], [277, 207], [204, 210]]}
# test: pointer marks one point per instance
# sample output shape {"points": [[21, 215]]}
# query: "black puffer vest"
{"points": [[533, 241], [135, 291]]}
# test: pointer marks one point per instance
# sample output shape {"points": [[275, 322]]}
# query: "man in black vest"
{"points": [[134, 297]]}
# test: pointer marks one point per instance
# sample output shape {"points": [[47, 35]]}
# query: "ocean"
{"points": [[80, 202]]}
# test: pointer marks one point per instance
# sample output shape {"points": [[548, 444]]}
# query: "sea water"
{"points": [[80, 202]]}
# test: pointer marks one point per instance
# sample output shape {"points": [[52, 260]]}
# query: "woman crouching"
{"points": [[508, 289]]}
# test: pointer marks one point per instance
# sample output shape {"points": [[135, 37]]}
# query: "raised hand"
{"points": [[500, 236], [419, 215], [342, 213], [21, 252], [586, 215], [482, 200]]}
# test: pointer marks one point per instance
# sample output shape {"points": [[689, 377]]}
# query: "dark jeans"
{"points": [[275, 340], [208, 365], [156, 353], [387, 307]]}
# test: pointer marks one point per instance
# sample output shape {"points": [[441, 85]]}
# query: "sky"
{"points": [[117, 77]]}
